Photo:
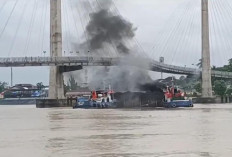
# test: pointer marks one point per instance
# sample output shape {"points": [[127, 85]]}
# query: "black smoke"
{"points": [[105, 27], [152, 87]]}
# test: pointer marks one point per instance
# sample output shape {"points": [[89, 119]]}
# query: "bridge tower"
{"points": [[56, 82], [206, 68]]}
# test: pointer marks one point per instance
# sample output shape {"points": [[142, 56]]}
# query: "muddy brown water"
{"points": [[202, 131]]}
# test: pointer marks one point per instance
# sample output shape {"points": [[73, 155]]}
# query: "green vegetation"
{"points": [[66, 88], [71, 84], [199, 64], [197, 87], [229, 91], [2, 86], [187, 83], [219, 87], [40, 85], [227, 68]]}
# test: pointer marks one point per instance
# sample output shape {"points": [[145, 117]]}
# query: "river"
{"points": [[202, 131]]}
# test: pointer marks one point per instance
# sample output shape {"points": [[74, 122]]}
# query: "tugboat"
{"points": [[175, 98], [98, 99]]}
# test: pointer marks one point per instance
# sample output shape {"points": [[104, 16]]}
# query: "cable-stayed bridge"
{"points": [[176, 38], [102, 61]]}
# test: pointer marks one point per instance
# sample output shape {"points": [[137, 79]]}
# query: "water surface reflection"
{"points": [[203, 131]]}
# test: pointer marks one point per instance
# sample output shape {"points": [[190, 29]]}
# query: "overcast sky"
{"points": [[169, 28]]}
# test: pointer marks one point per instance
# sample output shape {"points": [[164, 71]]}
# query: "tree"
{"points": [[182, 78], [230, 62], [72, 84], [214, 67], [40, 85], [219, 87], [66, 88], [198, 87], [200, 63], [2, 86], [226, 67], [229, 91]]}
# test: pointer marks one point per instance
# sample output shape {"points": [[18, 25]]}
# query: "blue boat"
{"points": [[98, 99], [83, 102], [178, 103], [175, 98]]}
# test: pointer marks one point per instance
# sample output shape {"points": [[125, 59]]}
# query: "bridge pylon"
{"points": [[206, 68], [56, 81]]}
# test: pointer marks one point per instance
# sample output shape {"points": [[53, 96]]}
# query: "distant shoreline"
{"points": [[18, 101]]}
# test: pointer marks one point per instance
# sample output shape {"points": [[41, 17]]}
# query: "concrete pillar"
{"points": [[56, 82], [206, 68]]}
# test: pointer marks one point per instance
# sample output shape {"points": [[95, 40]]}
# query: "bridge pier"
{"points": [[56, 82], [206, 68]]}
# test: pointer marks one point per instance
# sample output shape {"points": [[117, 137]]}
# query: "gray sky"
{"points": [[169, 28]]}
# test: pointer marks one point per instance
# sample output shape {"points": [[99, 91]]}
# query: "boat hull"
{"points": [[94, 105], [178, 103]]}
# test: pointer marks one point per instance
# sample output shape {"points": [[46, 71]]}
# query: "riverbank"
{"points": [[18, 101]]}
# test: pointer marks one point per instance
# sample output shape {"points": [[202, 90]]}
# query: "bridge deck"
{"points": [[100, 61]]}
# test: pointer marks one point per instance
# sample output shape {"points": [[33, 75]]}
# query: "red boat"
{"points": [[175, 98]]}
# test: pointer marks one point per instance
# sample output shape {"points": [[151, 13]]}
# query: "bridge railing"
{"points": [[49, 59], [98, 61], [222, 73], [55, 60], [177, 69], [185, 70]]}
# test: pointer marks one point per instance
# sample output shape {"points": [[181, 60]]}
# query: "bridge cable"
{"points": [[17, 29], [30, 27], [108, 47], [186, 48], [75, 22], [2, 7], [173, 34], [223, 31], [139, 46], [44, 28], [108, 37], [185, 30], [161, 33], [230, 16], [191, 40], [218, 22], [67, 27], [180, 38], [8, 19], [228, 28], [174, 31], [115, 11], [176, 37], [113, 46], [213, 30], [165, 36], [41, 27], [82, 24]]}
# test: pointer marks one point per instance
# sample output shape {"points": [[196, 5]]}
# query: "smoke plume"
{"points": [[105, 27], [121, 79]]}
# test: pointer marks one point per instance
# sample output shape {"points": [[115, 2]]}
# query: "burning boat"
{"points": [[98, 99], [175, 98]]}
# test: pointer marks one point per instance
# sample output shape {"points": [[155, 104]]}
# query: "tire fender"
{"points": [[174, 105]]}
